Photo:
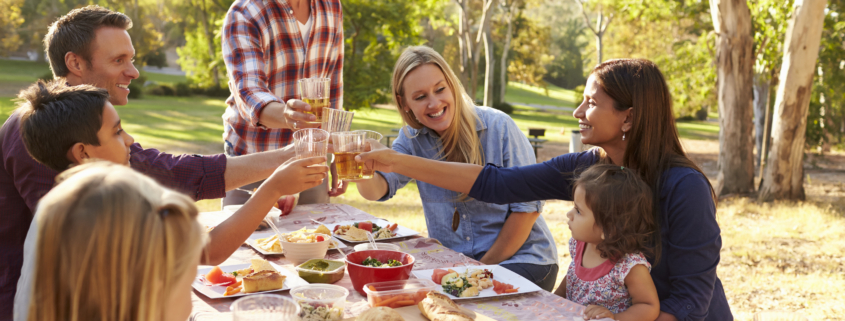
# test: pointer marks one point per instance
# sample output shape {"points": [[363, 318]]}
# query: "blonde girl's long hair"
{"points": [[112, 244], [460, 139]]}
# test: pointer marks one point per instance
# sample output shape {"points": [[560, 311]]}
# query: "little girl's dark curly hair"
{"points": [[621, 203]]}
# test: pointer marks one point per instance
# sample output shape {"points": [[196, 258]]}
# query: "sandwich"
{"points": [[438, 307], [380, 314]]}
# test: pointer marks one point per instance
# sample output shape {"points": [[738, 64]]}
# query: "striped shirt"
{"points": [[265, 55]]}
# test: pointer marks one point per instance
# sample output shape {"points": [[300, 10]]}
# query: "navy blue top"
{"points": [[685, 277]]}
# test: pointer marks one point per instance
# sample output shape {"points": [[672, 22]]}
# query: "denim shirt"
{"points": [[503, 145]]}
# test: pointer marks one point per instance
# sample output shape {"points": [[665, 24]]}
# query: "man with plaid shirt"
{"points": [[268, 46]]}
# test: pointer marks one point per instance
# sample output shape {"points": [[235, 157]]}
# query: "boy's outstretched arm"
{"points": [[291, 177]]}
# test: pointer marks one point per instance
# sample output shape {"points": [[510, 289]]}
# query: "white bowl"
{"points": [[298, 253], [380, 246], [231, 209]]}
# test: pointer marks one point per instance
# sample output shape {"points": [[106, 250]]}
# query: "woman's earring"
{"points": [[602, 235], [623, 135]]}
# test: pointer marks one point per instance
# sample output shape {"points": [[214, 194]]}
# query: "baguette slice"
{"points": [[263, 281], [438, 307]]}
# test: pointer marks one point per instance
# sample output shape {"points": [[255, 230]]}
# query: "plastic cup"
{"points": [[336, 120], [315, 92], [369, 135], [310, 142], [261, 307], [347, 145]]}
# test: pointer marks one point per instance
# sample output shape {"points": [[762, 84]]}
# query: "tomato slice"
{"points": [[320, 238]]}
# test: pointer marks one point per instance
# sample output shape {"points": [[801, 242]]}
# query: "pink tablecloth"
{"points": [[428, 252]]}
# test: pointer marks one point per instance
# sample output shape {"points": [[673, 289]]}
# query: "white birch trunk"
{"points": [[734, 61], [784, 175]]}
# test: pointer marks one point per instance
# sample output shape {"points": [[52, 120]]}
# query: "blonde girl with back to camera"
{"points": [[114, 245]]}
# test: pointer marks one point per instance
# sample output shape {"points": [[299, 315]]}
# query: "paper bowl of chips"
{"points": [[301, 247]]}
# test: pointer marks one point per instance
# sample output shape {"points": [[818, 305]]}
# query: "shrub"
{"points": [[504, 107], [161, 90], [701, 114], [183, 89]]}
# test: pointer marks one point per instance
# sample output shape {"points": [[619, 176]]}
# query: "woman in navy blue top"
{"points": [[626, 103]]}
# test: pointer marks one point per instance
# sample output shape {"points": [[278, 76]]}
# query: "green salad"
{"points": [[369, 261]]}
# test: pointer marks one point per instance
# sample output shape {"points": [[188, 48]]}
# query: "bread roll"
{"points": [[438, 307], [380, 314], [263, 281]]}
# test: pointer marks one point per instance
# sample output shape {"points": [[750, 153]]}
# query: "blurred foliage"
{"points": [[200, 57], [529, 52], [826, 118], [566, 69], [10, 20], [376, 32]]}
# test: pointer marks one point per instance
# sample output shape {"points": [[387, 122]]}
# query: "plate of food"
{"points": [[355, 231], [237, 280], [482, 281], [267, 243]]}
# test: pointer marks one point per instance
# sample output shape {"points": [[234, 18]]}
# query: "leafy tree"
{"points": [[10, 20], [376, 32], [201, 56], [826, 117], [567, 68], [530, 52]]}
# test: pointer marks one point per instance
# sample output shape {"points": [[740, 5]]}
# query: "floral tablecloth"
{"points": [[429, 254]]}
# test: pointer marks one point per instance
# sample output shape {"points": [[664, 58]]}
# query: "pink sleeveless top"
{"points": [[603, 285]]}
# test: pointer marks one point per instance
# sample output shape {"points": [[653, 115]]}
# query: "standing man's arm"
{"points": [[245, 64]]}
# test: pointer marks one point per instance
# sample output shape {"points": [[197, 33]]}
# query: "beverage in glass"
{"points": [[310, 142], [347, 145], [369, 135], [315, 92]]}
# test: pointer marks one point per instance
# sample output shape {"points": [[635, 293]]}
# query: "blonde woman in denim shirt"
{"points": [[443, 124]]}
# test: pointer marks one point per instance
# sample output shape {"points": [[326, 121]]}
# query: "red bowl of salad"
{"points": [[378, 266]]}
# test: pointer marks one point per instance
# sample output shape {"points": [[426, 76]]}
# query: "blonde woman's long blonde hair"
{"points": [[112, 244], [460, 139]]}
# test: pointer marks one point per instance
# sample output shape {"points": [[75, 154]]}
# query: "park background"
{"points": [[530, 58]]}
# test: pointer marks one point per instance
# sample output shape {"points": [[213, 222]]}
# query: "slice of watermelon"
{"points": [[368, 226], [217, 277]]}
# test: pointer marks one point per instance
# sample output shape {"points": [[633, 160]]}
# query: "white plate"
{"points": [[255, 236], [400, 231], [499, 274], [216, 291]]}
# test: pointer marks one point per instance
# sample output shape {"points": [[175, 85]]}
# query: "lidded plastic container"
{"points": [[396, 294], [321, 270], [320, 302]]}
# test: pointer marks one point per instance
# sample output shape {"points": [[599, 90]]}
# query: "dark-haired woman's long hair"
{"points": [[654, 144]]}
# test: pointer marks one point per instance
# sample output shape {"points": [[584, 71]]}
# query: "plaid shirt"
{"points": [[265, 56]]}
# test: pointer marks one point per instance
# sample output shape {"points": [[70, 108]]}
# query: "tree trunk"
{"points": [[489, 59], [784, 177], [598, 48], [503, 67], [734, 60], [761, 105]]}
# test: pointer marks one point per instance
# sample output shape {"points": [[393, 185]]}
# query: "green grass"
{"points": [[14, 71], [164, 78], [527, 94]]}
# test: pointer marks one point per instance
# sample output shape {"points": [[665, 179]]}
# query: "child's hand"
{"points": [[597, 312], [297, 175]]}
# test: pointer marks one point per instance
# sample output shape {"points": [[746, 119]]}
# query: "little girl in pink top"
{"points": [[611, 225]]}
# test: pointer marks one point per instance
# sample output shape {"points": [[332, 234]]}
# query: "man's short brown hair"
{"points": [[55, 116], [75, 31]]}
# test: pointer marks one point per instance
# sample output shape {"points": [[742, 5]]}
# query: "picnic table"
{"points": [[429, 254]]}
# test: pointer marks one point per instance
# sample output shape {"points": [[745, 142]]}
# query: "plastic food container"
{"points": [[380, 246], [313, 271], [320, 302], [396, 294]]}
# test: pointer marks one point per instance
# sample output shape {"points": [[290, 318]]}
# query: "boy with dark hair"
{"points": [[59, 121]]}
